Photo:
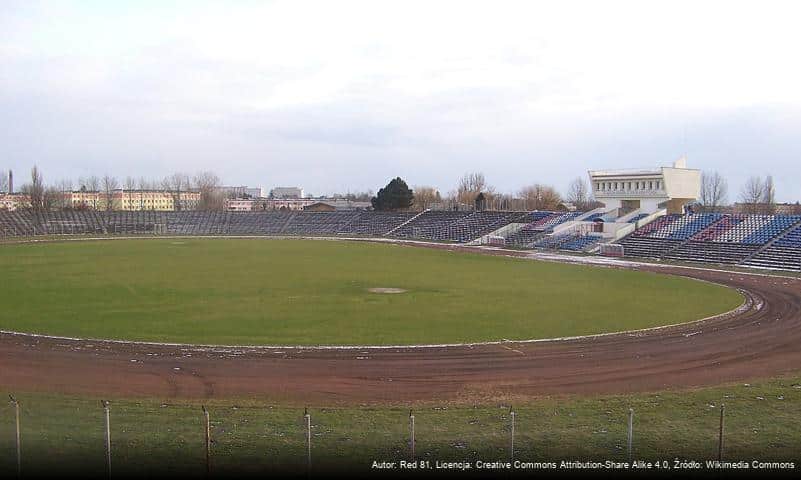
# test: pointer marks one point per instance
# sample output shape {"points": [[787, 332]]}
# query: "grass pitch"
{"points": [[296, 292]]}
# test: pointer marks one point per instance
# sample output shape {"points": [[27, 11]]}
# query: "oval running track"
{"points": [[761, 339]]}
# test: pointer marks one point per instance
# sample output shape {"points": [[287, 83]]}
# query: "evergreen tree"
{"points": [[395, 196]]}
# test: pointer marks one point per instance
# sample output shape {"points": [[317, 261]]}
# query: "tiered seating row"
{"points": [[722, 239], [777, 257], [712, 252], [431, 225], [576, 243], [678, 227], [639, 246]]}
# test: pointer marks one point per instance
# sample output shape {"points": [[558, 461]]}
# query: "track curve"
{"points": [[763, 339]]}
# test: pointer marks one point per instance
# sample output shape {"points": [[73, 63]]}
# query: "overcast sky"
{"points": [[339, 96]]}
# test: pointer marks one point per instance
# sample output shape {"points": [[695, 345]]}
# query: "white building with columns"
{"points": [[647, 190]]}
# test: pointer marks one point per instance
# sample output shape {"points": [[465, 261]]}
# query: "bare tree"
{"points": [[714, 190], [52, 198], [92, 185], [63, 194], [211, 196], [578, 193], [129, 186], [109, 185], [144, 184], [540, 197], [425, 196], [470, 185], [176, 185], [768, 196], [752, 194], [36, 189]]}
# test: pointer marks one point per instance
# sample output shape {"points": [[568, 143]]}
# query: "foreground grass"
{"points": [[763, 421], [316, 292]]}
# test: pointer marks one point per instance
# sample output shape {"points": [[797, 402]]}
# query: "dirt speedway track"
{"points": [[763, 339]]}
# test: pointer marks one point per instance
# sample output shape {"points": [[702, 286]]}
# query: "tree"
{"points": [[91, 185], [4, 181], [109, 185], [129, 186], [211, 197], [714, 190], [52, 198], [769, 196], [395, 196], [481, 202], [425, 197], [176, 184], [758, 196], [540, 197], [578, 193], [144, 184], [752, 194], [470, 185], [36, 189], [63, 198]]}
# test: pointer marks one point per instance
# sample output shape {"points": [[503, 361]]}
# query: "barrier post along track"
{"points": [[720, 433], [512, 436], [207, 438], [411, 434], [631, 431], [107, 414], [15, 402], [307, 418]]}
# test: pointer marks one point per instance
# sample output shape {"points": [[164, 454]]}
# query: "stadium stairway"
{"points": [[406, 222]]}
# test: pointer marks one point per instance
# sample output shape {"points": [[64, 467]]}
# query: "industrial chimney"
{"points": [[10, 181]]}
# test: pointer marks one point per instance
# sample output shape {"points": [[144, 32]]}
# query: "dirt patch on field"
{"points": [[386, 290]]}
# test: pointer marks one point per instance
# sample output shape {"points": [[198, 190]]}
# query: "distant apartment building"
{"points": [[264, 204], [11, 202], [242, 191], [133, 200], [293, 204], [254, 192], [239, 204], [286, 192]]}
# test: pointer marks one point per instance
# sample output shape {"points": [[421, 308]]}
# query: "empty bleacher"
{"points": [[320, 223], [712, 252], [784, 253], [768, 241], [524, 238], [430, 225], [642, 246], [378, 223]]}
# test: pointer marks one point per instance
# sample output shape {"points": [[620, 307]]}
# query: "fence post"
{"points": [[307, 417], [19, 448], [411, 433], [512, 435], [106, 410], [631, 430], [207, 438], [720, 433]]}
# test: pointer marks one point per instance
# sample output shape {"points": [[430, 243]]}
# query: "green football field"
{"points": [[306, 292]]}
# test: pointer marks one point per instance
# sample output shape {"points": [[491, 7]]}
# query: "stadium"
{"points": [[470, 319], [274, 238]]}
